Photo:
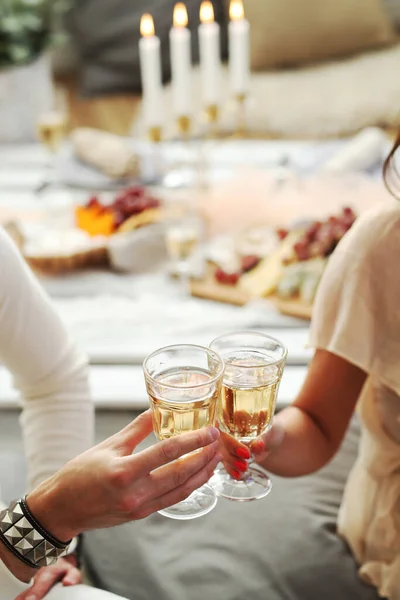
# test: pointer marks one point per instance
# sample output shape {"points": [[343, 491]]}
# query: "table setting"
{"points": [[183, 233]]}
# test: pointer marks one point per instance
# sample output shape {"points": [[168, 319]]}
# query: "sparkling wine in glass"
{"points": [[184, 385], [52, 129], [254, 365], [182, 238]]}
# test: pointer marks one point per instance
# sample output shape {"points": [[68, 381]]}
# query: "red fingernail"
{"points": [[243, 453], [260, 446], [240, 465], [236, 475]]}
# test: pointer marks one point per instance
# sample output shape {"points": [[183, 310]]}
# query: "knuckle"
{"points": [[142, 514], [199, 440], [179, 475], [129, 505], [170, 450], [185, 491], [210, 470], [118, 477]]}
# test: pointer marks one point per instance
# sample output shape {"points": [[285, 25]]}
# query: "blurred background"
{"points": [[306, 56]]}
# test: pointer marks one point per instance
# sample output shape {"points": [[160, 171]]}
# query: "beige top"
{"points": [[357, 316]]}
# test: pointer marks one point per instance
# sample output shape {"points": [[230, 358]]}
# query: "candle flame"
{"points": [[236, 10], [180, 15], [147, 25], [206, 12]]}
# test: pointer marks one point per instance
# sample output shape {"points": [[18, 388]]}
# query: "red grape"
{"points": [[249, 262], [226, 278], [282, 233], [93, 202]]}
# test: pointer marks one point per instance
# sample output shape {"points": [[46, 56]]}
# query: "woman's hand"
{"points": [[108, 485], [235, 455], [64, 571]]}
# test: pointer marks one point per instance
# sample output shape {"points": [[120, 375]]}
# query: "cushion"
{"points": [[290, 32], [393, 10], [283, 547]]}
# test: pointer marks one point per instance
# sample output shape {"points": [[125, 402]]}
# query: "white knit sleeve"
{"points": [[52, 376]]}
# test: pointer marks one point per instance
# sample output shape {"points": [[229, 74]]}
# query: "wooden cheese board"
{"points": [[210, 289]]}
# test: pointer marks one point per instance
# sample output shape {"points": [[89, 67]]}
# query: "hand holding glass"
{"points": [[184, 384], [254, 365]]}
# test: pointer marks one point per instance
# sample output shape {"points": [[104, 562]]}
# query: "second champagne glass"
{"points": [[254, 364], [184, 384]]}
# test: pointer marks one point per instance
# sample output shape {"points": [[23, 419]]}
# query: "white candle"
{"points": [[181, 62], [239, 52], [210, 59], [150, 67]]}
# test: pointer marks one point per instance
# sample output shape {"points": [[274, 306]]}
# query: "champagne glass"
{"points": [[254, 365], [184, 384], [183, 236], [52, 129]]}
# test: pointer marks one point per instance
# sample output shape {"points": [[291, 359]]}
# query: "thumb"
{"points": [[134, 433], [269, 441]]}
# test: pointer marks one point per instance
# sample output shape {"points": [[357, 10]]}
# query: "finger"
{"points": [[43, 582], [263, 445], [166, 478], [232, 461], [169, 450], [258, 447], [73, 577], [234, 447], [134, 433], [182, 492]]}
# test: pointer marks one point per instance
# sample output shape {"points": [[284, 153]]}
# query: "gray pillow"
{"points": [[393, 9], [106, 34]]}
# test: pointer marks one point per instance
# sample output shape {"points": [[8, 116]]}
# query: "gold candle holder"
{"points": [[212, 113], [184, 124], [212, 117], [155, 134], [241, 129]]}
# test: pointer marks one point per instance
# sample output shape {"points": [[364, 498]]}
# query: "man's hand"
{"points": [[64, 571], [108, 485]]}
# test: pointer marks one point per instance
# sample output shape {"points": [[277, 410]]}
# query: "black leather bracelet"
{"points": [[27, 538], [46, 534]]}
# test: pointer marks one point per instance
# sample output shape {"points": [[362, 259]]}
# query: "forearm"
{"points": [[305, 447], [52, 507], [58, 425]]}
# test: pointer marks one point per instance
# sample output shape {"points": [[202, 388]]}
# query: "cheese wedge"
{"points": [[263, 279], [146, 217]]}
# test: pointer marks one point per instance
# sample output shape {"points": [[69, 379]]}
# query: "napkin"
{"points": [[106, 152], [363, 152]]}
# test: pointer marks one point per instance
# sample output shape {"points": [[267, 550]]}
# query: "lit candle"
{"points": [[181, 63], [210, 60], [150, 67], [239, 54]]}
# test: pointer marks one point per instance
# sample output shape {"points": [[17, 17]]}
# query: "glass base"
{"points": [[198, 504], [255, 485]]}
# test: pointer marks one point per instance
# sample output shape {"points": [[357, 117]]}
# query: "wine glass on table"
{"points": [[183, 236], [254, 365], [184, 384], [52, 129]]}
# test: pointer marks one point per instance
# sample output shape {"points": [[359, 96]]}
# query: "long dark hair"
{"points": [[391, 174]]}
